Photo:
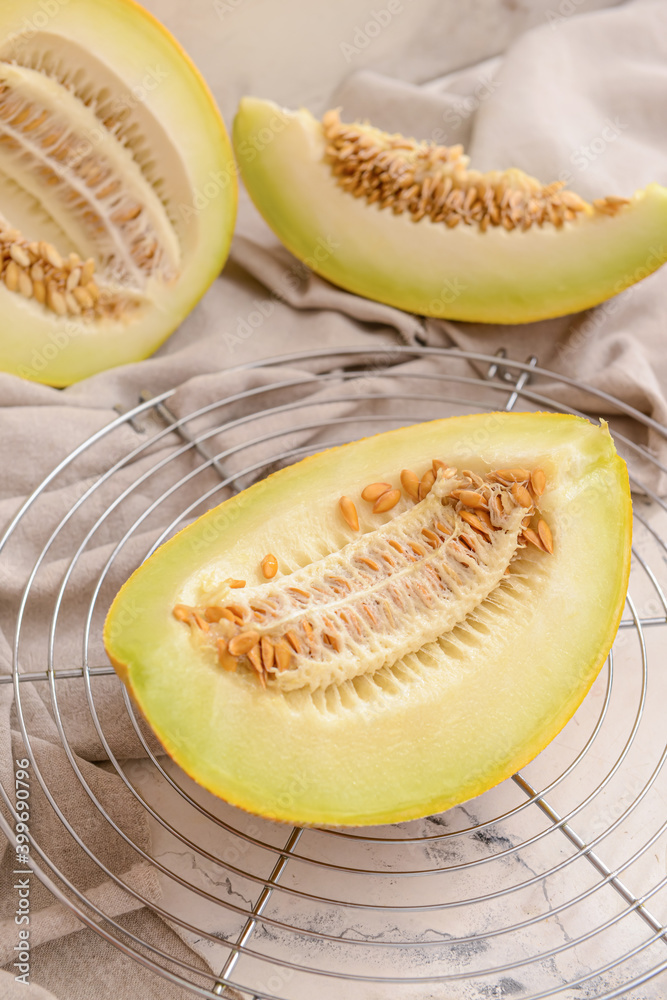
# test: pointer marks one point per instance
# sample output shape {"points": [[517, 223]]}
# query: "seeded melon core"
{"points": [[411, 225], [117, 187], [389, 627]]}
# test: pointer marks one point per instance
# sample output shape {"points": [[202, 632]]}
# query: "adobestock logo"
{"points": [[583, 156], [566, 8], [247, 149], [224, 7], [45, 11], [59, 339], [450, 291], [202, 197]]}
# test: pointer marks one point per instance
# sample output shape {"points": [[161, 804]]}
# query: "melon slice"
{"points": [[321, 658], [411, 225], [117, 187]]}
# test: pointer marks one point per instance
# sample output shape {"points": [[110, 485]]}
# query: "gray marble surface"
{"points": [[499, 885]]}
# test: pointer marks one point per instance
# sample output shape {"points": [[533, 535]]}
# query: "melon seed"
{"points": [[73, 279], [243, 643], [410, 483], [431, 536], [200, 621], [283, 655], [255, 658], [533, 538], [73, 307], [521, 495], [475, 522], [426, 483], [544, 531], [51, 255], [214, 614], [55, 300], [12, 276], [470, 498], [293, 640], [386, 501], [226, 659], [374, 491], [269, 566], [19, 256], [83, 297], [268, 652], [474, 478], [349, 512], [182, 612], [308, 629], [25, 285], [513, 475], [332, 640], [538, 481]]}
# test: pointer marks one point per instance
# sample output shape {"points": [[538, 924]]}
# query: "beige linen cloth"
{"points": [[580, 97]]}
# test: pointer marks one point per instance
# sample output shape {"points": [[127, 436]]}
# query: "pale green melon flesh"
{"points": [[126, 53], [444, 724], [425, 267]]}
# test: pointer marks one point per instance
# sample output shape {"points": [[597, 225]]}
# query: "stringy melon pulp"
{"points": [[443, 722]]}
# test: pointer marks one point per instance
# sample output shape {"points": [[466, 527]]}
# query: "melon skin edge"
{"points": [[299, 764], [424, 267]]}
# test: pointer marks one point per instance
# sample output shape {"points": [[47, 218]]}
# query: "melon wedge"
{"points": [[117, 187], [451, 717], [493, 276]]}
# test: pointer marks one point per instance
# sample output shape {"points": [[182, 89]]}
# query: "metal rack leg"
{"points": [[500, 371], [257, 910]]}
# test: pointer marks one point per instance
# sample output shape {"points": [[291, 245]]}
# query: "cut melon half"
{"points": [[409, 224], [117, 187], [390, 671]]}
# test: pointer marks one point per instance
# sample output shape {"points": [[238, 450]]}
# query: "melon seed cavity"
{"points": [[388, 591], [36, 271], [105, 197], [430, 181]]}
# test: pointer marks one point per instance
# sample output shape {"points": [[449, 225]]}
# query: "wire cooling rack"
{"points": [[553, 883]]}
